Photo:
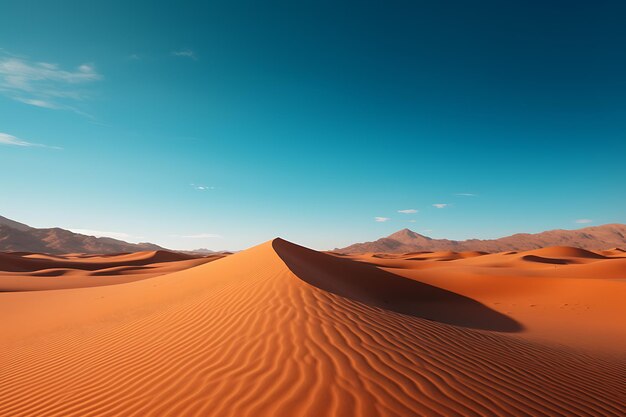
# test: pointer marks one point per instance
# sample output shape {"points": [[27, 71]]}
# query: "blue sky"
{"points": [[225, 124]]}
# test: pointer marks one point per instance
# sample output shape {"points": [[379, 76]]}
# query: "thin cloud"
{"points": [[411, 221], [6, 139], [200, 187], [440, 205], [408, 211], [185, 53], [37, 103], [200, 236], [43, 84], [381, 219], [583, 221], [101, 233], [465, 194]]}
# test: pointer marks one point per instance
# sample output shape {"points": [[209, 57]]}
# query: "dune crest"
{"points": [[565, 251], [279, 330], [376, 287]]}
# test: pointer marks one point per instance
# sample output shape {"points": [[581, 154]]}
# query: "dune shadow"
{"points": [[373, 286], [544, 260], [50, 273]]}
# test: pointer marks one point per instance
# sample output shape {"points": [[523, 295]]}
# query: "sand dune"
{"points": [[280, 330], [613, 252], [565, 251], [567, 299], [23, 271]]}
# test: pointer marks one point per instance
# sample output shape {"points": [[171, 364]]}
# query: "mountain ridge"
{"points": [[590, 238], [19, 237], [13, 224]]}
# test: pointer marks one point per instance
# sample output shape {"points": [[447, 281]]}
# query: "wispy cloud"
{"points": [[465, 194], [102, 233], [440, 205], [583, 221], [186, 53], [37, 103], [201, 187], [6, 139], [411, 221], [381, 219], [43, 84], [408, 211], [200, 236]]}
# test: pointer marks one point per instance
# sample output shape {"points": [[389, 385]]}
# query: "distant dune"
{"points": [[281, 330], [25, 271], [592, 238]]}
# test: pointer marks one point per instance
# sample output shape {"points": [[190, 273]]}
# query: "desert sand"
{"points": [[281, 330], [23, 271]]}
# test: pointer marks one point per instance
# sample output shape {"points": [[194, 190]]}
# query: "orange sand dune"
{"points": [[613, 252], [23, 271], [575, 297], [564, 251], [280, 330]]}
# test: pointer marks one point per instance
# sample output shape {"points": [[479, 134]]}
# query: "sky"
{"points": [[223, 124]]}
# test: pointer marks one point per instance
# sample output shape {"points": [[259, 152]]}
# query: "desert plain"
{"points": [[282, 330]]}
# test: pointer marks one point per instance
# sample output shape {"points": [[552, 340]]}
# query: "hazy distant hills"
{"points": [[206, 252], [591, 238], [18, 237]]}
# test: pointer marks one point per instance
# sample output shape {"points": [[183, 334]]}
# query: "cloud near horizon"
{"points": [[101, 233], [381, 219], [6, 139], [200, 236], [44, 84], [583, 221], [440, 205], [408, 211], [465, 194]]}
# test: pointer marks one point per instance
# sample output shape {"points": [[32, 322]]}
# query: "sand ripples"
{"points": [[245, 336]]}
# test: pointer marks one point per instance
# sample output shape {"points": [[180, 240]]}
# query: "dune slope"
{"points": [[279, 330], [24, 271]]}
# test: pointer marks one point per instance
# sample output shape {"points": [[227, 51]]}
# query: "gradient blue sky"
{"points": [[309, 119]]}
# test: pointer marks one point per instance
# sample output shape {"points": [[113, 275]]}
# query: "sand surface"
{"points": [[23, 271], [281, 330]]}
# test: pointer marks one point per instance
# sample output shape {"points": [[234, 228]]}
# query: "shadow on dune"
{"points": [[373, 286], [543, 260]]}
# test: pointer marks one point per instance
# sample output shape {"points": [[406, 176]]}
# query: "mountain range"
{"points": [[590, 238], [19, 237]]}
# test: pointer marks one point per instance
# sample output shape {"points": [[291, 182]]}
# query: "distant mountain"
{"points": [[590, 238], [13, 224], [202, 251], [18, 237]]}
